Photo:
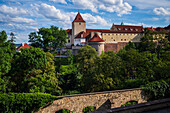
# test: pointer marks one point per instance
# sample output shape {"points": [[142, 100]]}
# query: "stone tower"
{"points": [[97, 43], [78, 25]]}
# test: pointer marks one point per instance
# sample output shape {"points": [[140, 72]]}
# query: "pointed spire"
{"points": [[122, 23], [78, 18]]}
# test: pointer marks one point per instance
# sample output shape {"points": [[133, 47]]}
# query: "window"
{"points": [[119, 28], [124, 39], [68, 41], [108, 34], [131, 29], [121, 39], [79, 23], [136, 29], [105, 39], [125, 29], [112, 38]]}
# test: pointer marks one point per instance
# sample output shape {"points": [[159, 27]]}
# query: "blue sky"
{"points": [[24, 16]]}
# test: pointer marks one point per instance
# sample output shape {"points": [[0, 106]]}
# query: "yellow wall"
{"points": [[121, 37]]}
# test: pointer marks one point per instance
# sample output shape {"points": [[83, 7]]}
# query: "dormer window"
{"points": [[131, 29]]}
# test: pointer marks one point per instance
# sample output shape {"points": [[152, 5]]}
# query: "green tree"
{"points": [[5, 62], [130, 45], [49, 39], [109, 71], [86, 65], [34, 71], [5, 54], [138, 65]]}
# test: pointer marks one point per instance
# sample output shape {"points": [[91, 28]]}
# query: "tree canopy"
{"points": [[49, 39]]}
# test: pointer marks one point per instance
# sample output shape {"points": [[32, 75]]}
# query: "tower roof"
{"points": [[78, 18], [96, 38]]}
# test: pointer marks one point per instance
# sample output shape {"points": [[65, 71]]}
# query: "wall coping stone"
{"points": [[103, 92]]}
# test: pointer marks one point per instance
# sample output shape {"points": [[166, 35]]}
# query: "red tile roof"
{"points": [[78, 18], [24, 46], [151, 28], [158, 29], [82, 35], [69, 31], [119, 29], [96, 38]]}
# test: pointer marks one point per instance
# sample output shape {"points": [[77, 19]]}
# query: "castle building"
{"points": [[112, 39]]}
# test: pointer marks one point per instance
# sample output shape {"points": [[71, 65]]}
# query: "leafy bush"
{"points": [[133, 83], [64, 111], [157, 89], [24, 102], [89, 109], [129, 103]]}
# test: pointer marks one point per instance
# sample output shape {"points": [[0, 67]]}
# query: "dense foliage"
{"points": [[158, 89], [129, 103], [24, 102], [35, 70], [49, 39], [89, 109]]}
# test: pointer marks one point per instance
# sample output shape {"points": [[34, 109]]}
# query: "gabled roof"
{"points": [[69, 31], [78, 18], [81, 35], [151, 28], [23, 46], [96, 38]]}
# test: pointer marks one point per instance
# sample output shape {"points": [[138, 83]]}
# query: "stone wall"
{"points": [[101, 100], [122, 37], [156, 106], [114, 46]]}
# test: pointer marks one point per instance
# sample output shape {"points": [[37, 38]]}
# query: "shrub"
{"points": [[64, 111], [133, 83], [89, 109], [157, 89], [24, 102], [129, 103]]}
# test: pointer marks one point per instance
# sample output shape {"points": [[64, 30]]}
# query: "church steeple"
{"points": [[122, 23], [78, 18]]}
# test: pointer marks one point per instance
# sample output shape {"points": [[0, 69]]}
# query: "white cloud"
{"points": [[23, 20], [52, 13], [140, 24], [12, 11], [118, 6], [65, 18], [85, 4], [148, 4], [59, 1], [95, 20], [154, 18], [16, 20], [162, 11]]}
